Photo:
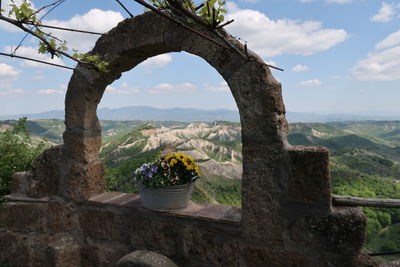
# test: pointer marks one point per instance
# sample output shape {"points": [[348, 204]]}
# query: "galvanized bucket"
{"points": [[166, 198]]}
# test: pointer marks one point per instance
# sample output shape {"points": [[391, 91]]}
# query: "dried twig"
{"points": [[42, 17], [177, 5], [61, 28], [224, 24], [44, 7], [36, 60], [273, 67], [127, 11], [167, 16], [52, 50], [198, 7]]}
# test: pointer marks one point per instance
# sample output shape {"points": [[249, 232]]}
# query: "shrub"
{"points": [[16, 153]]}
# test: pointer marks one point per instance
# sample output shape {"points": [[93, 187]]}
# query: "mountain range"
{"points": [[191, 114]]}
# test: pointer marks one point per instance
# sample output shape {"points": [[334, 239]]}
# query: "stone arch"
{"points": [[285, 189], [256, 92]]}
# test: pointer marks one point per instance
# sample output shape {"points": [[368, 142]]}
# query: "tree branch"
{"points": [[36, 60], [44, 7], [178, 6], [61, 28], [52, 50]]}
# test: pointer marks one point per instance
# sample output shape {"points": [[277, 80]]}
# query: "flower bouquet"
{"points": [[167, 184]]}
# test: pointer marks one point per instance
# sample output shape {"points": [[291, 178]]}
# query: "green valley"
{"points": [[365, 159]]}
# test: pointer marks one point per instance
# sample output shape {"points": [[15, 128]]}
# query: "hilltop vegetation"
{"points": [[17, 151]]}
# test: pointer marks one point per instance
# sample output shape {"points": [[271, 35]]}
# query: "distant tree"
{"points": [[16, 153]]}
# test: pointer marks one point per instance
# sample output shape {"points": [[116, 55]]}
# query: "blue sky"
{"points": [[339, 56]]}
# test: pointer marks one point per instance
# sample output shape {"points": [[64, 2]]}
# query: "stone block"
{"points": [[261, 215], [155, 235], [207, 248], [101, 254], [260, 256], [24, 250], [25, 217], [81, 101], [145, 258], [81, 148], [101, 224], [309, 177], [19, 182], [84, 180], [341, 232], [46, 170], [62, 216], [89, 256], [64, 251]]}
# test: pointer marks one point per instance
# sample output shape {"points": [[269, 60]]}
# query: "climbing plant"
{"points": [[209, 13], [25, 15]]}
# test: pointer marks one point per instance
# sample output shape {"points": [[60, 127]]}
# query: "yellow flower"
{"points": [[173, 162]]}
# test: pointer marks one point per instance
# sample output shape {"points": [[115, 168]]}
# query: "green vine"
{"points": [[50, 44], [212, 11], [209, 13]]}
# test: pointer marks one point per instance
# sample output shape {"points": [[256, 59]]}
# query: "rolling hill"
{"points": [[365, 158]]}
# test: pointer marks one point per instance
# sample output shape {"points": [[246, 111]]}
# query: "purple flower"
{"points": [[154, 168]]}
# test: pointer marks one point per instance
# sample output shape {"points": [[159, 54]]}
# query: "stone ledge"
{"points": [[24, 198], [201, 211]]}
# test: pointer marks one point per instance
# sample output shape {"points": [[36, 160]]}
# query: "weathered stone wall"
{"points": [[59, 215], [100, 231], [54, 232]]}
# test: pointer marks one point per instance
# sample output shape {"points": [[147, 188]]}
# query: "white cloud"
{"points": [[16, 91], [385, 13], [6, 7], [339, 1], [314, 82], [270, 37], [38, 77], [390, 41], [339, 77], [31, 52], [11, 92], [299, 68], [379, 66], [166, 88], [95, 20], [383, 64], [8, 72], [114, 90], [51, 92], [329, 1], [223, 87], [156, 62]]}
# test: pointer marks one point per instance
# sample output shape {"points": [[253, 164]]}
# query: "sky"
{"points": [[338, 56]]}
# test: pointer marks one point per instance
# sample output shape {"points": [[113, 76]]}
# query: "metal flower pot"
{"points": [[166, 198]]}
